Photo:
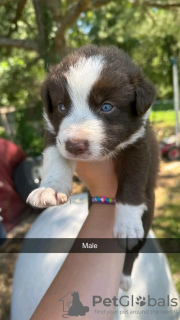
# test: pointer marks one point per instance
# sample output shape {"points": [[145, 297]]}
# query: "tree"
{"points": [[149, 34], [53, 19], [36, 33]]}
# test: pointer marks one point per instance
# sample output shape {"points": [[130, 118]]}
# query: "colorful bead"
{"points": [[104, 200]]}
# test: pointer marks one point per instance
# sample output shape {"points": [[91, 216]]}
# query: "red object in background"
{"points": [[165, 147], [11, 204], [169, 149]]}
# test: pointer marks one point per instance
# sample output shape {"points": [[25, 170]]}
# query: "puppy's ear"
{"points": [[145, 95], [46, 97]]}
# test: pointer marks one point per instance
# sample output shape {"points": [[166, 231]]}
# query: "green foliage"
{"points": [[2, 133], [29, 130], [163, 105], [148, 34], [21, 75]]}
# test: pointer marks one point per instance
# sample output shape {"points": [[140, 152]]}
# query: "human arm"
{"points": [[94, 273]]}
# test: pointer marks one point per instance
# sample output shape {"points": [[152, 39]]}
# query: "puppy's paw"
{"points": [[123, 230], [125, 282], [128, 223], [46, 197]]}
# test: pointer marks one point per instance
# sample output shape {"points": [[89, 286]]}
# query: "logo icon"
{"points": [[72, 306], [141, 301]]}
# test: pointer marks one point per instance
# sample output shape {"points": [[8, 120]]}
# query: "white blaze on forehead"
{"points": [[81, 78], [81, 122]]}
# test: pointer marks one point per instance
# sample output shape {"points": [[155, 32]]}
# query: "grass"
{"points": [[162, 117], [167, 117], [167, 218]]}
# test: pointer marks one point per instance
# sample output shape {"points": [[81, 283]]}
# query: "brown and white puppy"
{"points": [[96, 106]]}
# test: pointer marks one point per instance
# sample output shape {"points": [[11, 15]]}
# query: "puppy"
{"points": [[96, 106]]}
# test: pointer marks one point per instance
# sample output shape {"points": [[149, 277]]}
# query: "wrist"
{"points": [[105, 189], [104, 200], [103, 193], [102, 220]]}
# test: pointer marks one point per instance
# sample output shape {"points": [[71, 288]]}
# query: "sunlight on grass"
{"points": [[167, 117], [162, 118], [167, 213]]}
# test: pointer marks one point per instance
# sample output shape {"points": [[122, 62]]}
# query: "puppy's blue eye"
{"points": [[106, 107], [61, 107]]}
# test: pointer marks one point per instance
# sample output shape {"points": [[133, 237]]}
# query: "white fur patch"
{"points": [[48, 124], [81, 78], [133, 138], [146, 115], [82, 123], [125, 282], [128, 223], [57, 171], [56, 184], [136, 135]]}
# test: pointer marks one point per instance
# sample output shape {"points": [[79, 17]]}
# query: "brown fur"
{"points": [[124, 85]]}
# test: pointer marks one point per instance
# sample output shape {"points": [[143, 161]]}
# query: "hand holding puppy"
{"points": [[99, 177]]}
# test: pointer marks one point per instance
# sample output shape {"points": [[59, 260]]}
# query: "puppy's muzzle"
{"points": [[77, 147]]}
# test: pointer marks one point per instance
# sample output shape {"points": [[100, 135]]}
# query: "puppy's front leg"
{"points": [[56, 184], [128, 222], [131, 195]]}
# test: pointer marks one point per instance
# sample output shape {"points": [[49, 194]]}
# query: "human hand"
{"points": [[99, 177]]}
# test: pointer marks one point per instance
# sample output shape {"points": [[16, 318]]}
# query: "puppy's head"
{"points": [[96, 103]]}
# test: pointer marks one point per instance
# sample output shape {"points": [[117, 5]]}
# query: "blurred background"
{"points": [[35, 34]]}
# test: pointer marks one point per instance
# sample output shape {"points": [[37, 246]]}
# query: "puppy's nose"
{"points": [[76, 147]]}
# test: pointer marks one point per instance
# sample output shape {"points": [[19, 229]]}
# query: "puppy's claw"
{"points": [[46, 197]]}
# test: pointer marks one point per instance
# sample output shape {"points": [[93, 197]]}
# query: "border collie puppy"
{"points": [[96, 106]]}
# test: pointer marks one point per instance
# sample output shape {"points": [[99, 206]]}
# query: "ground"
{"points": [[167, 218]]}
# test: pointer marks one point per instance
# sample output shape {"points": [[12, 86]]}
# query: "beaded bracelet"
{"points": [[103, 200]]}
